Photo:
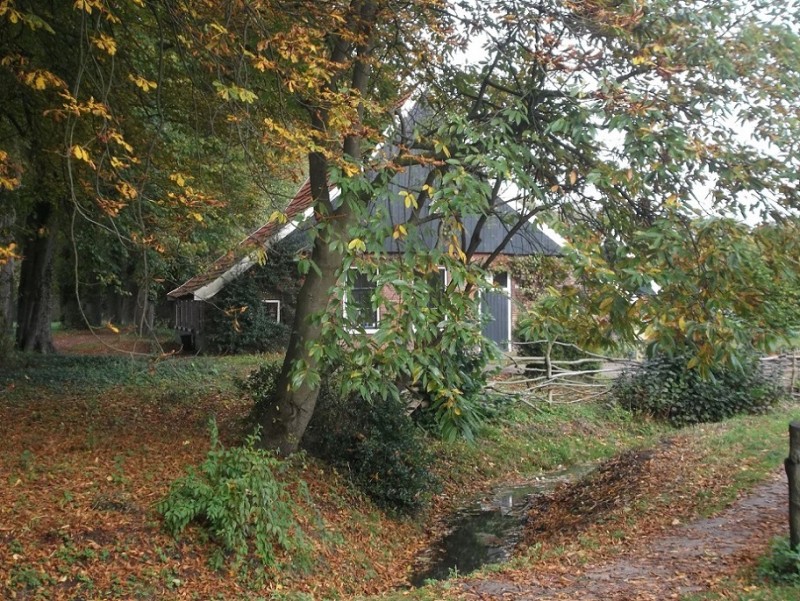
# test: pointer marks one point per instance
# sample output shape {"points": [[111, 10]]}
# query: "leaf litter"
{"points": [[628, 532]]}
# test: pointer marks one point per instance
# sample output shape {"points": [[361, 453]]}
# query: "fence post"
{"points": [[792, 465]]}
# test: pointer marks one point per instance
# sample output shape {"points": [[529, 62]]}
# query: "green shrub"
{"points": [[260, 385], [434, 412], [782, 565], [238, 502], [375, 443], [666, 389], [378, 445], [239, 321]]}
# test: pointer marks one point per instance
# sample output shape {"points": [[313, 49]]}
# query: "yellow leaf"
{"points": [[278, 217], [197, 216], [126, 190], [80, 153], [112, 327], [357, 244], [106, 43], [409, 199], [83, 5], [143, 84], [349, 169], [573, 177]]}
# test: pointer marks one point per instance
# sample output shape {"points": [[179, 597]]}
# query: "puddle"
{"points": [[488, 530]]}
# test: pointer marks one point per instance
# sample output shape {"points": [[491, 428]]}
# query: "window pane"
{"points": [[436, 281], [359, 305]]}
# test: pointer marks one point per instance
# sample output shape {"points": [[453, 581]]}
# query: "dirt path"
{"points": [[694, 558]]}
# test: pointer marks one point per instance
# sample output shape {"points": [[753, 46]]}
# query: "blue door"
{"points": [[496, 306]]}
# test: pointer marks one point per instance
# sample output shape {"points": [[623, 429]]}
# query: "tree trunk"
{"points": [[792, 465], [284, 420], [144, 311], [6, 285], [35, 283]]}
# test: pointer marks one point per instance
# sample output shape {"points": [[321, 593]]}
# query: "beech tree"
{"points": [[115, 151]]}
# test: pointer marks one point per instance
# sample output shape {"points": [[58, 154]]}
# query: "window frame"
{"points": [[273, 301], [371, 327]]}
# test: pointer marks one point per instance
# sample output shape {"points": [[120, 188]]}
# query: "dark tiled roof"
{"points": [[302, 200]]}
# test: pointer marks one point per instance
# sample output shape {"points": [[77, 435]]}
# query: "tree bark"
{"points": [[792, 465], [284, 420], [35, 283], [144, 311], [6, 286]]}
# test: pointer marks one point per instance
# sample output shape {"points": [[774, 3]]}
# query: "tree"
{"points": [[117, 158], [607, 117], [613, 116]]}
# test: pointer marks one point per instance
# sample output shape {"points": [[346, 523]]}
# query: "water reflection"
{"points": [[488, 531]]}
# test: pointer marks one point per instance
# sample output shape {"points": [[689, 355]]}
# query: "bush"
{"points": [[666, 389], [782, 565], [375, 443], [238, 502], [260, 385], [239, 321], [437, 413], [378, 445]]}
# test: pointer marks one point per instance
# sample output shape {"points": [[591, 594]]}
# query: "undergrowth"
{"points": [[667, 389], [782, 565], [237, 501], [184, 377], [374, 442]]}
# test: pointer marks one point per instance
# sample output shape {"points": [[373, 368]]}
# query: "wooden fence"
{"points": [[589, 376]]}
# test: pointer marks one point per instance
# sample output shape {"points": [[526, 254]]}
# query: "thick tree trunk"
{"points": [[35, 283], [284, 420]]}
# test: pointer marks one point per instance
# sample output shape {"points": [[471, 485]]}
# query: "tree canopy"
{"points": [[638, 128]]}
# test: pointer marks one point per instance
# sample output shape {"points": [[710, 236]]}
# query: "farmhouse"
{"points": [[194, 297]]}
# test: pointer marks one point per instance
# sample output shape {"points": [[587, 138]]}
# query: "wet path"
{"points": [[487, 531], [690, 560]]}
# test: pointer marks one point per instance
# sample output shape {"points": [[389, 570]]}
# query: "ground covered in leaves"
{"points": [[629, 531], [88, 449], [82, 472]]}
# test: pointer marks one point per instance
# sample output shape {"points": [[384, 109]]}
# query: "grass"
{"points": [[755, 592], [174, 379], [522, 442]]}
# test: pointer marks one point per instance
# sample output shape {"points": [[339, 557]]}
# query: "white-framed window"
{"points": [[272, 309], [437, 280], [359, 304]]}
